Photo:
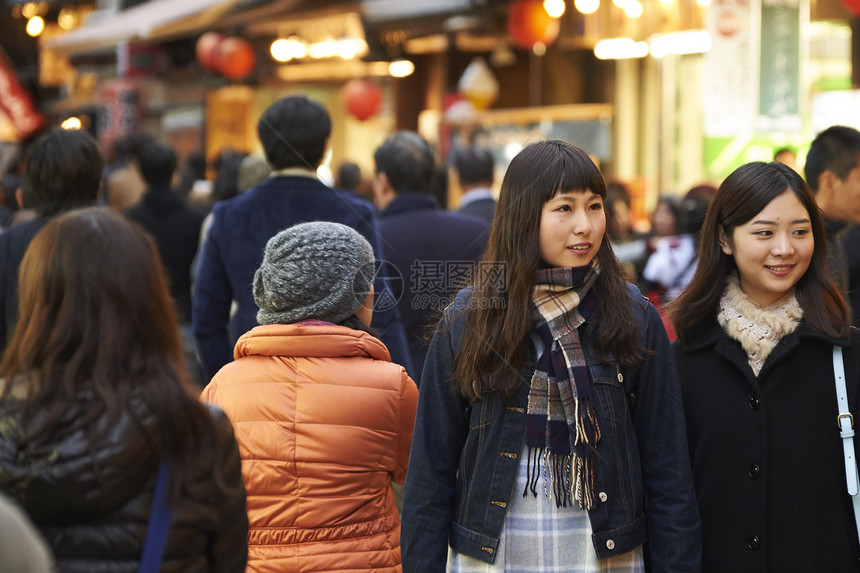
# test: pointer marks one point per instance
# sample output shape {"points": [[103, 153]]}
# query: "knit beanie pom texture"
{"points": [[318, 270]]}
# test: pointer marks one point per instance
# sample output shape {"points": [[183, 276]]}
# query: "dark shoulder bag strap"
{"points": [[158, 527]]}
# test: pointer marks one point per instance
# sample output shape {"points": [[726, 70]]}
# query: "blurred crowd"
{"points": [[215, 365]]}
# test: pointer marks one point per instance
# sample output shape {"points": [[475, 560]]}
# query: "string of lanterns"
{"points": [[231, 57], [531, 26]]}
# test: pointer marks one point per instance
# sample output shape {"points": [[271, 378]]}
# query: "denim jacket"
{"points": [[465, 457]]}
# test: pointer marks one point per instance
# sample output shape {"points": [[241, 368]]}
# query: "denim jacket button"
{"points": [[753, 542], [603, 497], [610, 545]]}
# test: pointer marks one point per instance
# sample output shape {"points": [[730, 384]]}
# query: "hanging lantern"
{"points": [[362, 98], [236, 58], [529, 23], [478, 84], [206, 50], [853, 6]]}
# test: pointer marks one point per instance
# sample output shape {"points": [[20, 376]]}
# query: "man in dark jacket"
{"points": [[474, 169], [833, 173], [294, 132], [433, 250], [64, 171], [174, 226]]}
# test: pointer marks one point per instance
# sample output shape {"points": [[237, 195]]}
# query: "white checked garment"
{"points": [[539, 537]]}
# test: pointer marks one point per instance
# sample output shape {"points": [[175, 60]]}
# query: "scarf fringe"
{"points": [[567, 479]]}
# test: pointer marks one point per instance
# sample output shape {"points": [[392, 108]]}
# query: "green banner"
{"points": [[779, 87]]}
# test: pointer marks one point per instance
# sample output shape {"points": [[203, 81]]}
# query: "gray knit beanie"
{"points": [[315, 270]]}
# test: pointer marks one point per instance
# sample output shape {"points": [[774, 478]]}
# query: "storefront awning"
{"points": [[387, 10], [153, 20]]}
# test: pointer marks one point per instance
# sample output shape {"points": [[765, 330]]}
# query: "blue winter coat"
{"points": [[233, 251]]}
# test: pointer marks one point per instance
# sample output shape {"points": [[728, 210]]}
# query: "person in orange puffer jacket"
{"points": [[322, 417]]}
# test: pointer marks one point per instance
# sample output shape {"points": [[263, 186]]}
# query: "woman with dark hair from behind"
{"points": [[757, 327], [95, 395]]}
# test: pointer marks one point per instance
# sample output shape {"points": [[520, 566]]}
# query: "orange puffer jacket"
{"points": [[324, 424]]}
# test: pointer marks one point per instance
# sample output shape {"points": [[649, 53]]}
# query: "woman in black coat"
{"points": [[756, 330], [95, 396]]}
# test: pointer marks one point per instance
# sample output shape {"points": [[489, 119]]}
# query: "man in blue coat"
{"points": [[474, 167], [434, 251], [294, 132]]}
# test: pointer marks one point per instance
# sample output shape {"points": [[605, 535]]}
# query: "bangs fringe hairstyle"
{"points": [[498, 319], [97, 321], [743, 195]]}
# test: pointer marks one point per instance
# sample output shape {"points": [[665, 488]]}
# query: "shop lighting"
{"points": [[401, 68], [587, 6], [703, 3], [295, 48], [68, 19], [633, 10], [291, 48], [691, 42], [30, 10], [620, 49], [35, 26], [667, 1], [72, 123], [349, 48], [555, 8], [324, 49]]}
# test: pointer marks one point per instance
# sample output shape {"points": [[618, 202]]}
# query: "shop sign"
{"points": [[731, 67], [16, 103], [118, 115], [779, 87]]}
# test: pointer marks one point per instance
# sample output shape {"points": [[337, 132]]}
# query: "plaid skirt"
{"points": [[539, 537]]}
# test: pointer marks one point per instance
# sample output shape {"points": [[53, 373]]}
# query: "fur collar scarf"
{"points": [[758, 329]]}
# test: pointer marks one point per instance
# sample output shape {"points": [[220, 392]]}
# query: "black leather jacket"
{"points": [[94, 515]]}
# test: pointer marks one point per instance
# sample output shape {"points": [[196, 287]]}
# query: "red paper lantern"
{"points": [[362, 98], [206, 50], [236, 58], [853, 6], [528, 24]]}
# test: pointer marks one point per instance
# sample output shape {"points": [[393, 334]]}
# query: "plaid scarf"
{"points": [[561, 424]]}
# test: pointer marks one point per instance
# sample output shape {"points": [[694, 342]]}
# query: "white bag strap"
{"points": [[846, 431]]}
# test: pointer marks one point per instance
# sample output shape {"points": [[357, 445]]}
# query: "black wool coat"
{"points": [[767, 457]]}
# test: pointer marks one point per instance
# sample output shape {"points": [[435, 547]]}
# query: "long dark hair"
{"points": [[96, 319], [743, 194], [497, 321]]}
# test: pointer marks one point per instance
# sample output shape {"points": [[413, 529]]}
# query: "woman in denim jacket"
{"points": [[550, 429]]}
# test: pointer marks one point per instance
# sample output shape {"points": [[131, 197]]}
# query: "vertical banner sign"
{"points": [[731, 67], [779, 88], [16, 103], [118, 115]]}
